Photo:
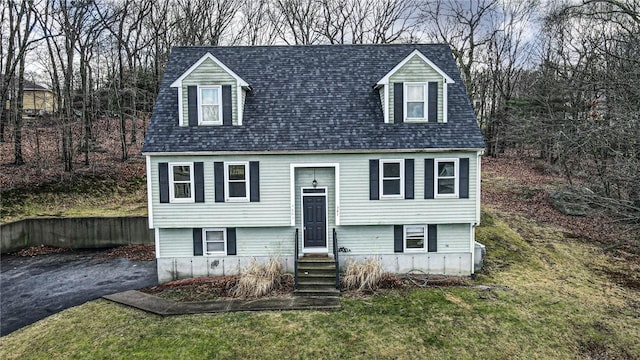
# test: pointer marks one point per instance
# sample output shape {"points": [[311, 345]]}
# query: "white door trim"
{"points": [[292, 183], [315, 250]]}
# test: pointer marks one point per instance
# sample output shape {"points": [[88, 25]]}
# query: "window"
{"points": [[215, 241], [210, 109], [415, 101], [415, 237], [181, 182], [236, 181], [446, 177], [392, 178]]}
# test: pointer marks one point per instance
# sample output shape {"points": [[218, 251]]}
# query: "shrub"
{"points": [[258, 280], [363, 276]]}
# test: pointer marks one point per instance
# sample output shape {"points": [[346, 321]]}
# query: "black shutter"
{"points": [[218, 176], [163, 171], [432, 244], [197, 241], [374, 185], [432, 105], [231, 241], [408, 178], [192, 105], [227, 105], [398, 238], [398, 103], [198, 173], [254, 177], [464, 178], [428, 178]]}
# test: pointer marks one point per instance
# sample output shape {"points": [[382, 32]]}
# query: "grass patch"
{"points": [[82, 195], [553, 304]]}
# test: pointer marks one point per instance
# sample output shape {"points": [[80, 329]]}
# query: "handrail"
{"points": [[335, 256], [295, 262]]}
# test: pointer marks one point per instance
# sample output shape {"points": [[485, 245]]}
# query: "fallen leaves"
{"points": [[131, 252], [41, 250]]}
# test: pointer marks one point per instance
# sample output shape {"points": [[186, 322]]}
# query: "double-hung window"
{"points": [[415, 237], [210, 105], [392, 178], [236, 181], [446, 184], [181, 182], [215, 241], [415, 101]]}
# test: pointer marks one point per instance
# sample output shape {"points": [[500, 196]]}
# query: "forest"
{"points": [[558, 81]]}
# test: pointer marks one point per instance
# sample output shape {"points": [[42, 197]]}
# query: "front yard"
{"points": [[555, 299]]}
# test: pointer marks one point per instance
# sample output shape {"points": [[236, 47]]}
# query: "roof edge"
{"points": [[416, 52], [289, 152], [208, 55]]}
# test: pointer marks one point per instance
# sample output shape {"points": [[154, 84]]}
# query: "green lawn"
{"points": [[555, 301], [81, 196]]}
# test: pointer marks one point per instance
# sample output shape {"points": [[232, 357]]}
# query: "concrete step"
{"points": [[306, 259], [316, 281], [317, 266], [317, 275], [320, 292]]}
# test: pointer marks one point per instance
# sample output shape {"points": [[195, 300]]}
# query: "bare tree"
{"points": [[465, 26], [301, 18], [21, 22]]}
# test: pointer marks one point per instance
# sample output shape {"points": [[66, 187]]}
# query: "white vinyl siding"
{"points": [[279, 241], [274, 206], [415, 70], [209, 74]]}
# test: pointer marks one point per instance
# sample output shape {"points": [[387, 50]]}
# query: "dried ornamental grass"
{"points": [[363, 276], [258, 280]]}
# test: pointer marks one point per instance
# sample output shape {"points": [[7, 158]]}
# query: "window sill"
{"points": [[391, 197], [215, 254], [416, 120], [210, 123], [446, 196], [423, 250], [237, 200], [181, 201]]}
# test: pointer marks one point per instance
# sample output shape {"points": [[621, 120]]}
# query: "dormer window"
{"points": [[415, 101], [210, 109]]}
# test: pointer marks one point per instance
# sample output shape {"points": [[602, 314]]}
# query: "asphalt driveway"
{"points": [[32, 288]]}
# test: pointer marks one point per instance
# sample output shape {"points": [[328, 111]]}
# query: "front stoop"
{"points": [[317, 277]]}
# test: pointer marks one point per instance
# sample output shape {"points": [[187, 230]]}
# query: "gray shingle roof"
{"points": [[318, 98]]}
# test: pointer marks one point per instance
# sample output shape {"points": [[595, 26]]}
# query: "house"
{"points": [[252, 150], [36, 99]]}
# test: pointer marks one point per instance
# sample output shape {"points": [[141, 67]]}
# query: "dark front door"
{"points": [[315, 221]]}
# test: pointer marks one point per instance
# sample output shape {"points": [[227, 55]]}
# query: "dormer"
{"points": [[414, 91], [210, 94]]}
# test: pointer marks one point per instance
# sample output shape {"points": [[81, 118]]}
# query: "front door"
{"points": [[314, 209]]}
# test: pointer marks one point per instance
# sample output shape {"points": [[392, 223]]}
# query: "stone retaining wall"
{"points": [[76, 233]]}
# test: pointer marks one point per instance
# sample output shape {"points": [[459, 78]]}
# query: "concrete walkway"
{"points": [[164, 307]]}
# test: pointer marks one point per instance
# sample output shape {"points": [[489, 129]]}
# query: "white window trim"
{"points": [[172, 198], [456, 168], [228, 198], [381, 178], [405, 100], [424, 244], [204, 242], [200, 104]]}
